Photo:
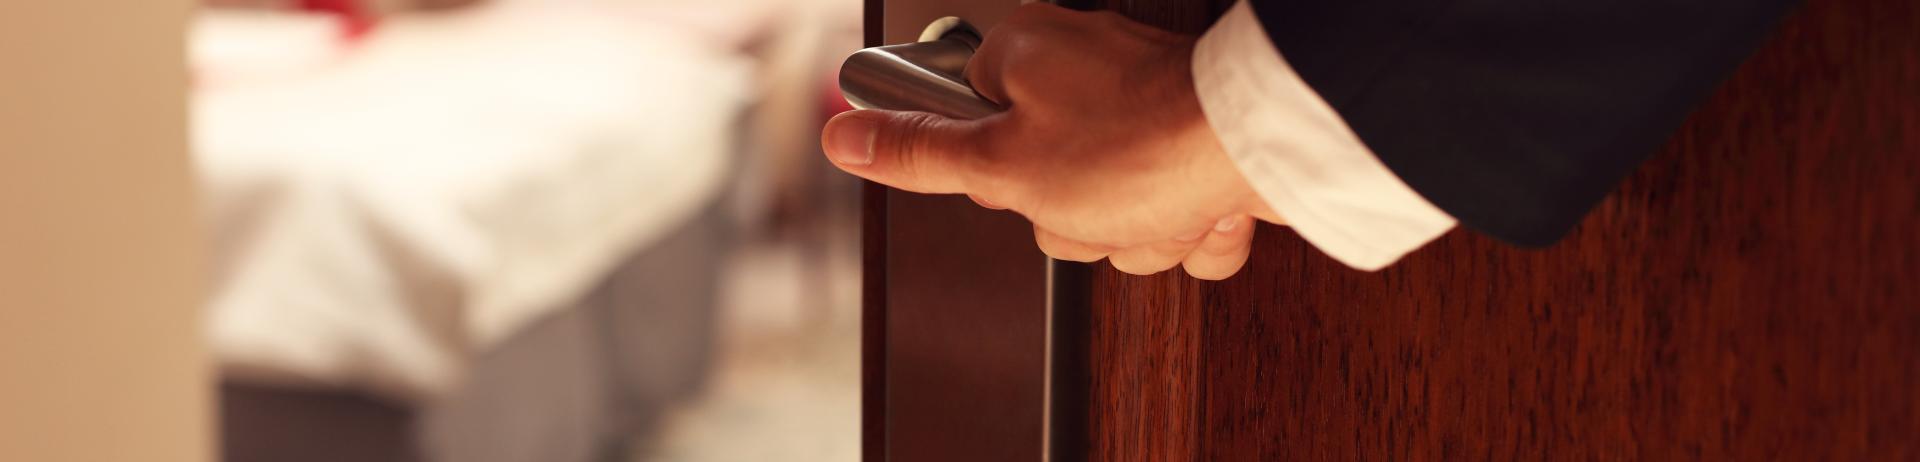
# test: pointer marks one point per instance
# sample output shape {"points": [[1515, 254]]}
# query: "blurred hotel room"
{"points": [[527, 230], [604, 231]]}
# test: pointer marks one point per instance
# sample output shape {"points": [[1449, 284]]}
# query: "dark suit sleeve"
{"points": [[1515, 117]]}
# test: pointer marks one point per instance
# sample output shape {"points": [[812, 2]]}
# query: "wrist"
{"points": [[1219, 173]]}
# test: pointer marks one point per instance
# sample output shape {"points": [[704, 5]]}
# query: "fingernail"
{"points": [[850, 142], [1226, 224]]}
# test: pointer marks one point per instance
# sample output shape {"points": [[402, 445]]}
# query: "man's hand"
{"points": [[1103, 146]]}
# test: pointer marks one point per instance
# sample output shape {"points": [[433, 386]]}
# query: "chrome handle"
{"points": [[928, 76]]}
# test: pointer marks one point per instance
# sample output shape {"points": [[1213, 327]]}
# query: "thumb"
{"points": [[913, 151]]}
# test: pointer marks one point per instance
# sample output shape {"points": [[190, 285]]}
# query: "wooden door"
{"points": [[1752, 292], [955, 325]]}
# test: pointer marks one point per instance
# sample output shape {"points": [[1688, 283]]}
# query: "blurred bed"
{"points": [[493, 234]]}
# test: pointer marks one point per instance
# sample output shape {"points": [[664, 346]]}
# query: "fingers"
{"points": [[1061, 248], [983, 71], [1016, 42], [1223, 251], [913, 151], [1213, 255], [985, 203], [1148, 259]]}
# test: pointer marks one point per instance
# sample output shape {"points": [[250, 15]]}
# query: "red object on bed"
{"points": [[356, 20]]}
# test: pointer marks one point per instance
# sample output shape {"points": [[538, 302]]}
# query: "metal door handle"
{"points": [[928, 76]]}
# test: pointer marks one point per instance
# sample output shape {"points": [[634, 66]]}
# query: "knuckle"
{"points": [[1134, 269], [1058, 250], [986, 79], [1204, 273], [1047, 244], [1199, 271], [912, 128], [909, 141], [976, 72], [1138, 265], [1215, 268], [983, 202], [1075, 257]]}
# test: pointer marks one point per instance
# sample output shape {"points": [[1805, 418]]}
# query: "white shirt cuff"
{"points": [[1300, 156]]}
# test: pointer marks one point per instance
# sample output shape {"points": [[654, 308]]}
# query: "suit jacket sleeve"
{"points": [[1515, 117]]}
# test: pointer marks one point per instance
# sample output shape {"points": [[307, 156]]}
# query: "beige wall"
{"points": [[100, 353]]}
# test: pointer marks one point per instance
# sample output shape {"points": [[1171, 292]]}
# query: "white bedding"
{"points": [[382, 211]]}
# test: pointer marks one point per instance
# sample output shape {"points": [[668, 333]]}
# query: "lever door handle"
{"points": [[928, 75]]}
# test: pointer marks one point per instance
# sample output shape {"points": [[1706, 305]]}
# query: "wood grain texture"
{"points": [[1751, 293], [1144, 370], [1145, 356]]}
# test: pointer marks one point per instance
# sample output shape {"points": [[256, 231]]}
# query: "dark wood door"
{"points": [[955, 323], [1752, 292]]}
